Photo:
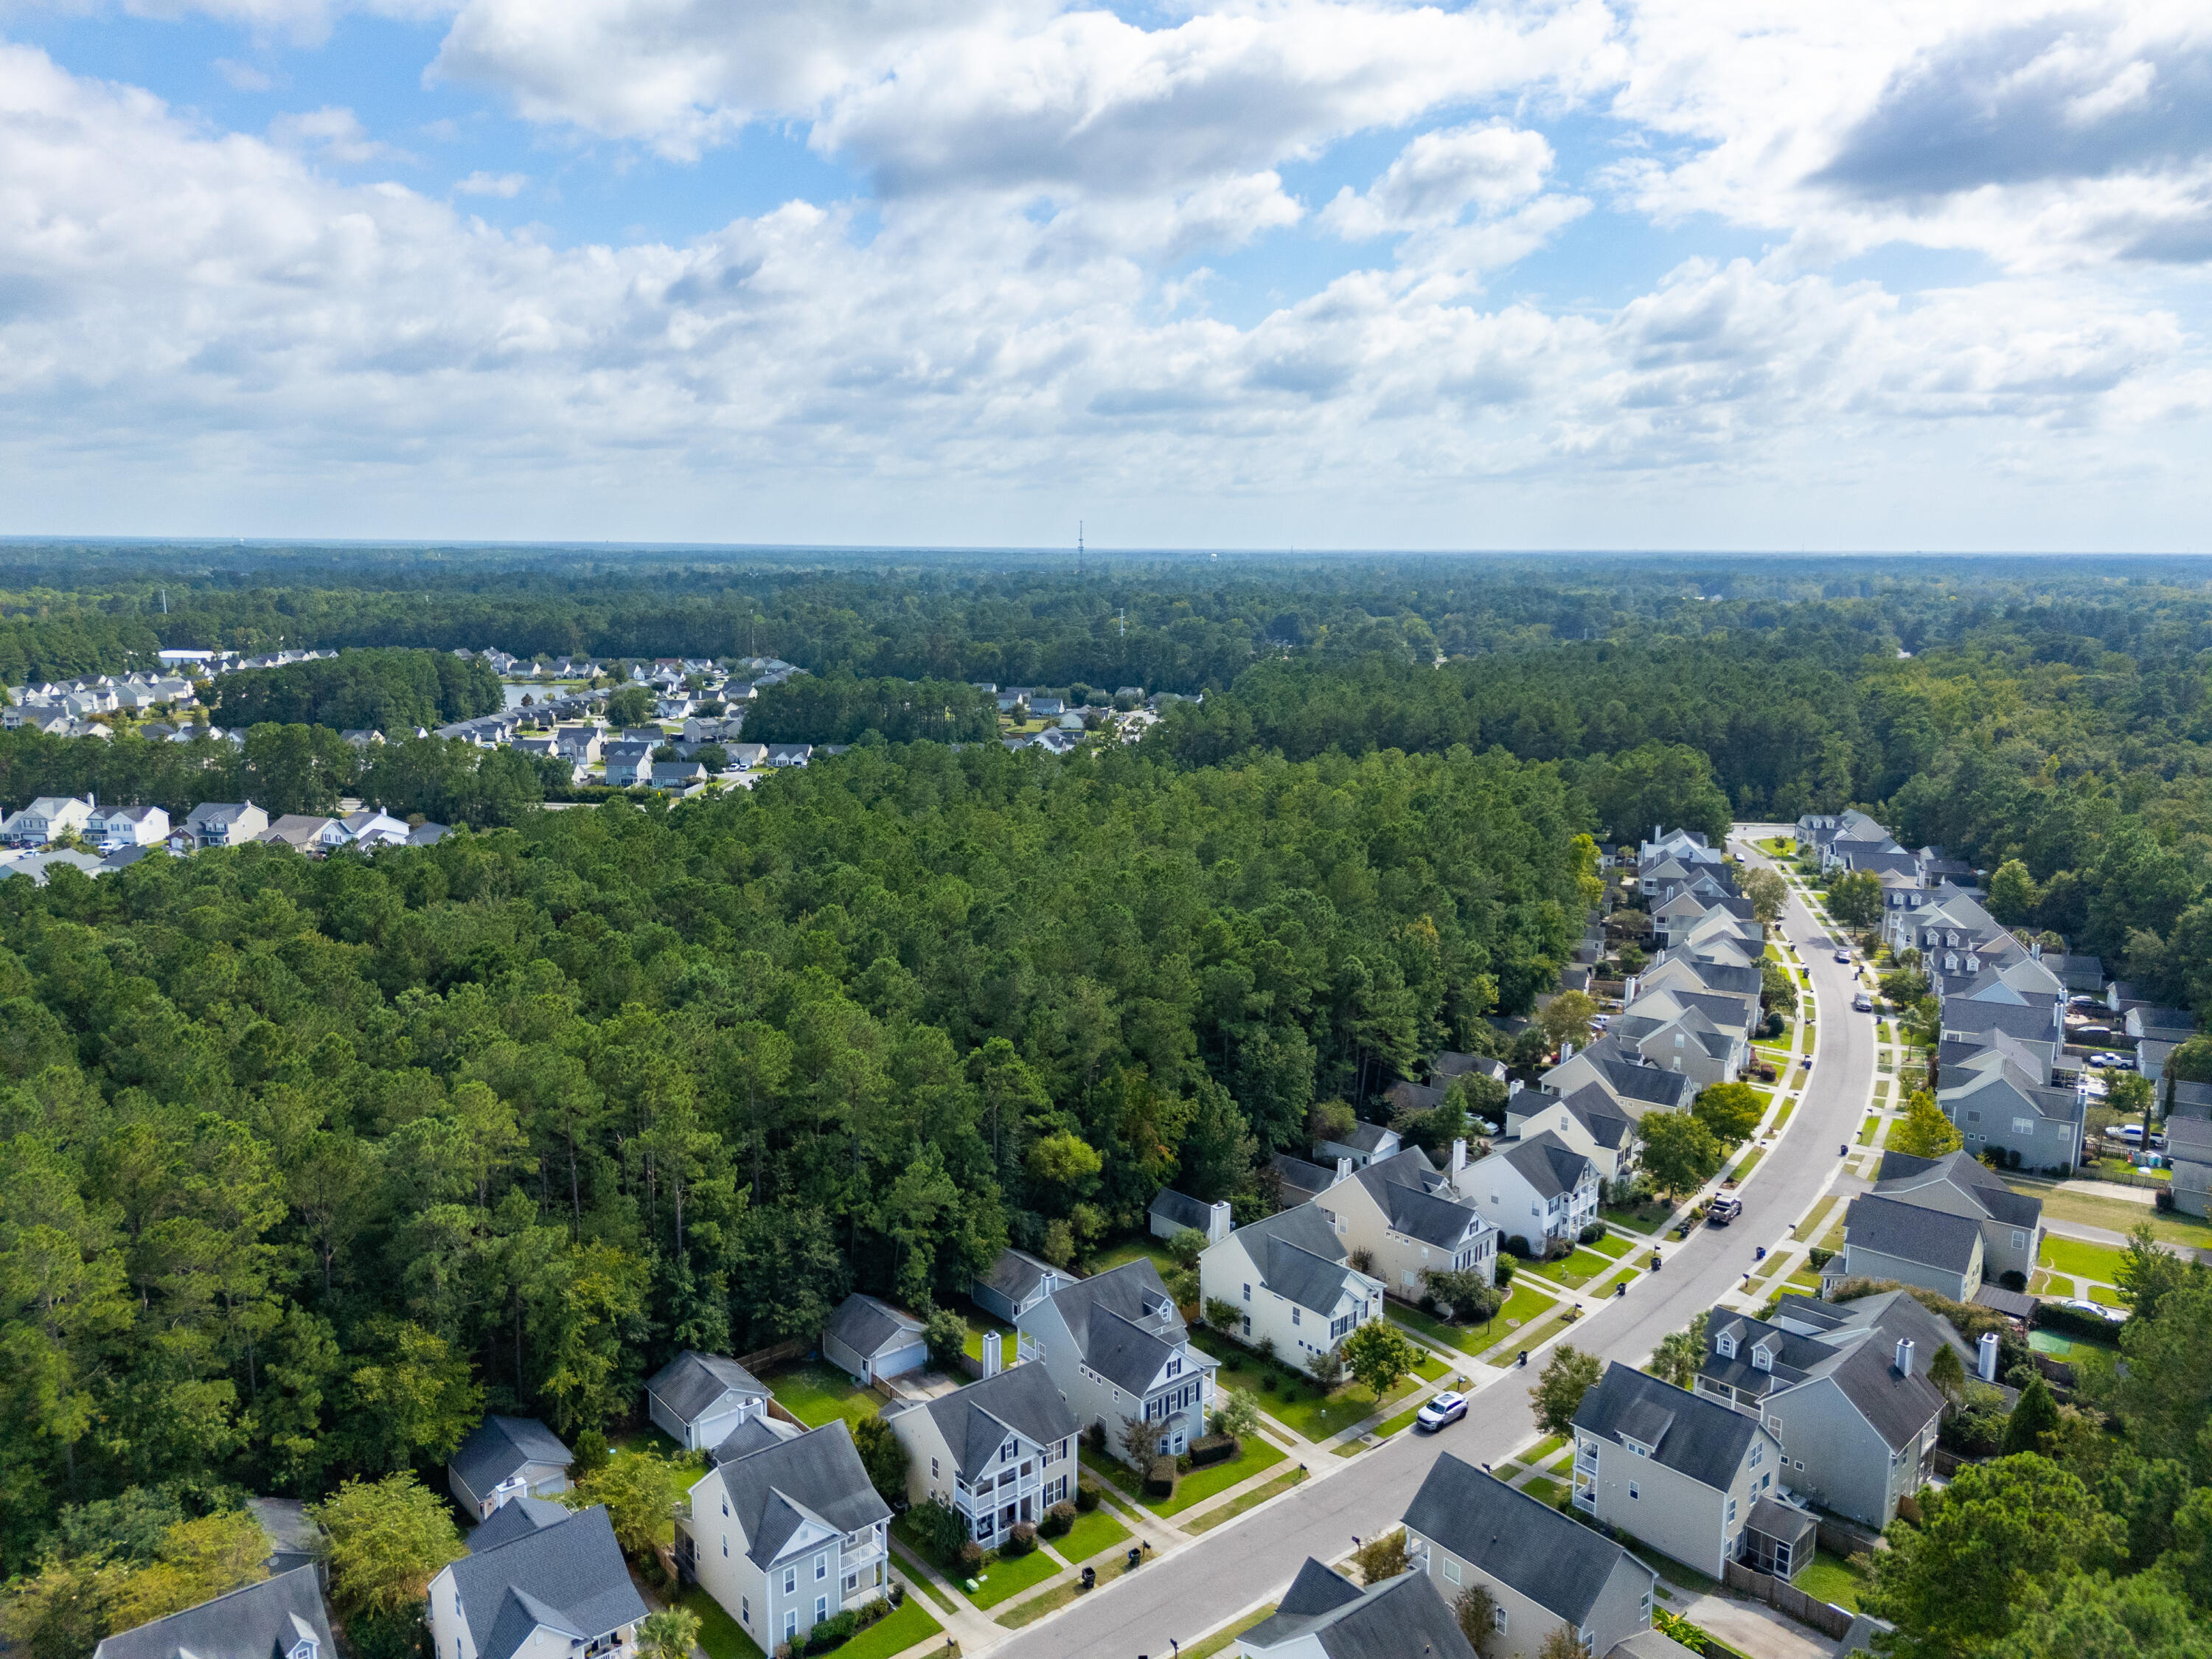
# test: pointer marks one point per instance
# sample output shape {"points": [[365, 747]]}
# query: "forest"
{"points": [[393, 691]]}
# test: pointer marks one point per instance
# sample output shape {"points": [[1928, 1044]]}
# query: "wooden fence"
{"points": [[1785, 1597], [1845, 1539], [782, 1353]]}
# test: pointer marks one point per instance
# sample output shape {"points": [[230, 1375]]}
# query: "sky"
{"points": [[1297, 274]]}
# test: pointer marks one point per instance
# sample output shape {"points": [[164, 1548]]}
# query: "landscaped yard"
{"points": [[1833, 1580], [816, 1394], [1099, 1530], [1613, 1244], [1201, 1484], [1323, 1418], [978, 1324], [2070, 1256], [907, 1624], [2116, 1214], [719, 1634], [1003, 1578], [1153, 1249], [1250, 1500], [1646, 1218], [1573, 1271], [1527, 1304], [1866, 1131]]}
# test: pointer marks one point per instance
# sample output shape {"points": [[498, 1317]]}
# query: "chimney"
{"points": [[1985, 1357], [1343, 1169], [1514, 1086], [991, 1366], [1218, 1224], [1566, 1052], [1458, 1156], [1905, 1356]]}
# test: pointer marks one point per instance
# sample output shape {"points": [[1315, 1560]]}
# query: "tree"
{"points": [[1680, 1354], [1946, 1371], [1382, 1558], [1222, 1313], [883, 1456], [939, 1527], [1330, 1119], [1471, 1301], [196, 1561], [2013, 895], [2192, 1062], [1239, 1413], [1564, 1642], [1679, 1153], [1855, 899], [386, 1538], [1925, 1133], [2033, 1416], [642, 1491], [1140, 1440], [1477, 1612], [1777, 988], [2148, 1272], [1378, 1355], [671, 1633], [630, 705], [1769, 894], [1567, 1017], [1731, 1111], [1567, 1377], [1984, 1548], [945, 1335]]}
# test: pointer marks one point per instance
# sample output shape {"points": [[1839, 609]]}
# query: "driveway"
{"points": [[1207, 1583]]}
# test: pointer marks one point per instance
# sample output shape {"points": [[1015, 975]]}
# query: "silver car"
{"points": [[1444, 1408]]}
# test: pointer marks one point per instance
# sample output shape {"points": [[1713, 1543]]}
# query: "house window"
{"points": [[725, 1547], [1724, 1345], [1451, 1569], [1497, 1619], [822, 1566], [1294, 1315], [790, 1625], [2019, 1239], [932, 1468], [745, 1609], [2023, 1125], [1731, 1512], [1758, 1454], [1632, 1493], [1248, 1292], [791, 1581], [821, 1608]]}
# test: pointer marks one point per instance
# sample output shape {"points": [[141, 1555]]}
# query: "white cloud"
{"points": [[244, 78], [337, 133], [505, 185], [1439, 175]]}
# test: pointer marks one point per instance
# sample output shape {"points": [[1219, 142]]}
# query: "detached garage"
{"points": [[869, 1339]]}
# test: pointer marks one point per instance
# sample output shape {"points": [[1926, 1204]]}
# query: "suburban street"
{"points": [[1252, 1559]]}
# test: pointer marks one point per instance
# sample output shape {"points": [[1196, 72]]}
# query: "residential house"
{"points": [[1292, 1278], [428, 834], [1674, 1469], [786, 1531], [1000, 1451], [1999, 1105], [1403, 1218], [374, 828], [1115, 1347], [1299, 1180], [1635, 1084], [628, 763], [677, 774], [1448, 1063], [1467, 1527], [869, 1339], [1047, 708], [124, 857], [2011, 1222], [1897, 1239], [1324, 1615], [1846, 1386], [47, 816], [112, 827], [1591, 1121], [1172, 1213], [362, 737], [789, 754], [1362, 1144], [2189, 1147], [504, 1458], [1017, 1282], [1537, 1189], [1685, 1040], [280, 1618], [747, 755], [224, 824], [698, 1399], [539, 1582], [306, 832], [580, 744]]}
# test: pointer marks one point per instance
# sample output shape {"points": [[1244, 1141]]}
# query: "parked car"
{"points": [[1843, 956], [1863, 1003], [2130, 1133], [1444, 1408], [1722, 1211], [2110, 1315]]}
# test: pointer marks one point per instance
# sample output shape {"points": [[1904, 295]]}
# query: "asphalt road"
{"points": [[1191, 1592]]}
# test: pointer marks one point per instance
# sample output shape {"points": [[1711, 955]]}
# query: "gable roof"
{"points": [[974, 1420], [1124, 1322], [869, 1327], [1395, 1619], [1182, 1209], [1853, 1344], [511, 1520], [816, 1476], [1695, 1436], [1546, 1163], [1016, 1273], [1417, 1201], [1901, 1173], [1301, 1179], [692, 1382], [1517, 1539], [260, 1621], [1912, 1232], [2189, 1138], [568, 1577], [1600, 1115], [499, 1447]]}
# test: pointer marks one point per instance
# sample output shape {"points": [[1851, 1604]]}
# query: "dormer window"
{"points": [[1761, 1360], [1724, 1345], [1006, 1452], [1174, 1368]]}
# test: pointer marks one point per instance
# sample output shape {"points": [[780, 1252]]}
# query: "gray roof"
{"points": [[1182, 1209], [1545, 1162], [511, 1519], [1395, 1619], [2189, 1138], [1124, 1323], [261, 1621], [1449, 1063], [1694, 1437], [816, 1476], [1016, 1273], [1894, 1227], [1517, 1539], [2015, 1020], [869, 1327], [1299, 1256], [1901, 1173], [569, 1576], [1368, 1138], [2060, 1105], [1417, 1201], [1780, 1520], [1595, 1108], [1415, 1096], [973, 1420], [1648, 1644], [499, 1447], [691, 1383], [1301, 1179], [1627, 1075], [2013, 1304], [1853, 1343]]}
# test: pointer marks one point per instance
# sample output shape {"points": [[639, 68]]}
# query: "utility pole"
{"points": [[1079, 549]]}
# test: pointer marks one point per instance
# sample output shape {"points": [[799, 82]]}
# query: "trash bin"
{"points": [[1135, 1556], [1090, 1577]]}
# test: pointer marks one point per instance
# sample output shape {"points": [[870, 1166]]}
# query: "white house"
{"points": [[1291, 1277], [697, 1399], [1403, 1216], [1362, 1144], [1537, 1189], [375, 829], [999, 1451], [1115, 1347], [540, 1582], [504, 1458], [44, 818], [225, 824], [785, 1530], [112, 826]]}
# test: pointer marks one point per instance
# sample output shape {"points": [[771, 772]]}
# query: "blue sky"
{"points": [[1313, 272]]}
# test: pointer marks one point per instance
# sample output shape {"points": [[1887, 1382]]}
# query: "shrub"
{"points": [[1057, 1519], [829, 1633], [1086, 1496], [875, 1613], [1160, 1477], [1214, 1448], [1095, 1436], [398, 1634], [1182, 1463], [1818, 1258], [1594, 1231], [2012, 1280], [1020, 1540], [1506, 1268], [1516, 1245], [2163, 1197], [969, 1558]]}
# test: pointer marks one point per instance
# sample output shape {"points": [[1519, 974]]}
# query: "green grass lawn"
{"points": [[1324, 1419], [2115, 1213], [979, 1324], [1866, 1131], [1250, 1500], [1099, 1530], [1530, 1336], [1003, 1579], [2106, 1297], [1747, 1163], [1538, 1453], [1221, 1638], [1201, 1484], [906, 1625], [816, 1394], [1833, 1579], [719, 1634], [1613, 1244], [2070, 1256], [1152, 1250], [1810, 1226], [1525, 1304], [1574, 1271], [1549, 1490], [1647, 1218]]}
